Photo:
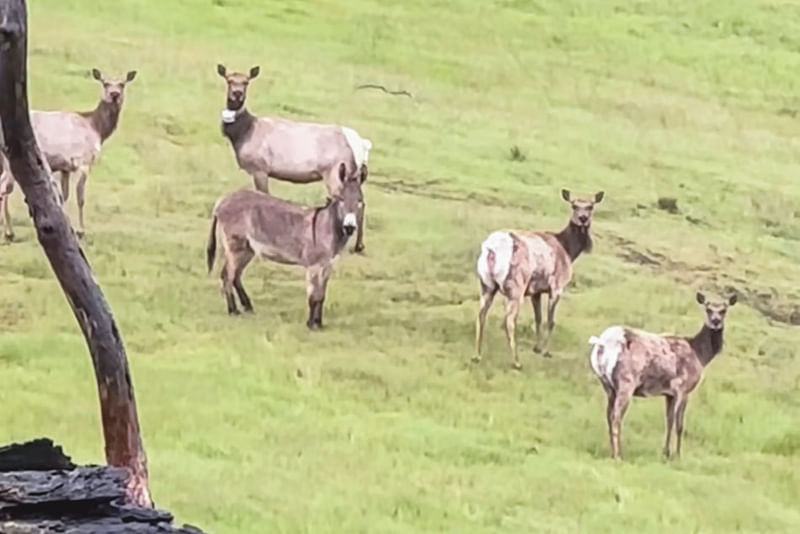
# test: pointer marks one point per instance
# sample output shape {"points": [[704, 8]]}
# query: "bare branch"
{"points": [[123, 444], [384, 89]]}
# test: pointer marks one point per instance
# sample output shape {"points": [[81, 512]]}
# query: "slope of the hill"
{"points": [[379, 423]]}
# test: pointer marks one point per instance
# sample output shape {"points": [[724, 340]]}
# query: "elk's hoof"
{"points": [[537, 349], [517, 366], [476, 359], [80, 233], [249, 309], [234, 312], [547, 355], [9, 238]]}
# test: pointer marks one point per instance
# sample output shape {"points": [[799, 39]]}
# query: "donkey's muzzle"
{"points": [[350, 224]]}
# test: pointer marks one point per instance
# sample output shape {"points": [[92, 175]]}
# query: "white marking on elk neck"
{"points": [[501, 245], [350, 220], [358, 146], [228, 115], [606, 352]]}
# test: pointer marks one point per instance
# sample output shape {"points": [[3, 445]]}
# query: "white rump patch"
{"points": [[359, 146], [350, 220], [501, 245], [228, 116], [606, 352]]}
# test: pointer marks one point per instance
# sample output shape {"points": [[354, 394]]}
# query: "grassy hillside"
{"points": [[379, 423]]}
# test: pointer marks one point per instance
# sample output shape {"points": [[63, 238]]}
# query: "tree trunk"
{"points": [[123, 443]]}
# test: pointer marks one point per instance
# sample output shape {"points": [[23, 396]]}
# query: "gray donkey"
{"points": [[253, 223], [297, 152]]}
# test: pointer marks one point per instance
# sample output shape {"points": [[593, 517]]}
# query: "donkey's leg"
{"points": [[536, 302], [243, 258], [316, 286], [227, 287], [261, 182], [512, 310], [64, 185], [8, 231], [487, 297], [552, 302], [80, 193], [360, 232]]}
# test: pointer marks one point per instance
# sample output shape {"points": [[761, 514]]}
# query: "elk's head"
{"points": [[113, 90], [237, 86], [582, 209], [715, 311], [350, 198]]}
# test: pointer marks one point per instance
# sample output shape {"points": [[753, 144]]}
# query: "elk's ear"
{"points": [[364, 173], [131, 75], [96, 75], [599, 197], [221, 70], [733, 299], [254, 72], [342, 171], [565, 194], [701, 299]]}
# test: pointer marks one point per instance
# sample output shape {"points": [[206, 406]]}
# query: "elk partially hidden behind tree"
{"points": [[292, 151], [520, 263], [71, 141], [631, 362]]}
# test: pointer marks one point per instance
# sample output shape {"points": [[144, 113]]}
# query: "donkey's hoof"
{"points": [[314, 326], [359, 249], [517, 366], [537, 349], [476, 359], [249, 310], [80, 233], [234, 312], [9, 238], [547, 355]]}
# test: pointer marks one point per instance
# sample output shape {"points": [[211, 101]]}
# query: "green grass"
{"points": [[379, 423]]}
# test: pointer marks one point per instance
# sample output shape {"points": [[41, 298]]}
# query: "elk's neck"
{"points": [[238, 130], [707, 344], [104, 118], [575, 240]]}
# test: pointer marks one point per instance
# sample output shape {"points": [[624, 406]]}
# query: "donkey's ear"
{"points": [[96, 75], [701, 299], [599, 197], [342, 171], [254, 72], [565, 194], [221, 70], [733, 299], [364, 173], [131, 75]]}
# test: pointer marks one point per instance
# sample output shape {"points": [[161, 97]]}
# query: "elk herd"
{"points": [[253, 223]]}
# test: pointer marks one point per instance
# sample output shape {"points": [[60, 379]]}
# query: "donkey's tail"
{"points": [[494, 262], [211, 248]]}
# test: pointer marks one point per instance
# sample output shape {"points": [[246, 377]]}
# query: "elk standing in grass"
{"points": [[520, 263], [254, 223], [631, 362], [6, 187], [71, 141], [297, 152]]}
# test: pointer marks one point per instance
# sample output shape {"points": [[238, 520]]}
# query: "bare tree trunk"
{"points": [[123, 443]]}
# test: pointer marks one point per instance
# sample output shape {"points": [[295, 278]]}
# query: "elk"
{"points": [[630, 362], [296, 152], [71, 141], [519, 263], [7, 187], [254, 223]]}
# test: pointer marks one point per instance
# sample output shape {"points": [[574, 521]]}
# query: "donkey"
{"points": [[520, 263], [252, 222], [632, 362], [71, 141], [297, 152]]}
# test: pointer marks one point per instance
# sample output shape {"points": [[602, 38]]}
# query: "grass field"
{"points": [[380, 424]]}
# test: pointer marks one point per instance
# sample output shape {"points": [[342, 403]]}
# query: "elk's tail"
{"points": [[494, 263], [211, 248]]}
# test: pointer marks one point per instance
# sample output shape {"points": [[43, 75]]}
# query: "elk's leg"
{"points": [[612, 395], [621, 402], [536, 302], [512, 311], [552, 302], [64, 185], [80, 193], [681, 412], [487, 296], [670, 418], [8, 231], [243, 258], [360, 231], [261, 182]]}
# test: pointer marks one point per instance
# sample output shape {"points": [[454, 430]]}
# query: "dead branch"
{"points": [[384, 89], [123, 443]]}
